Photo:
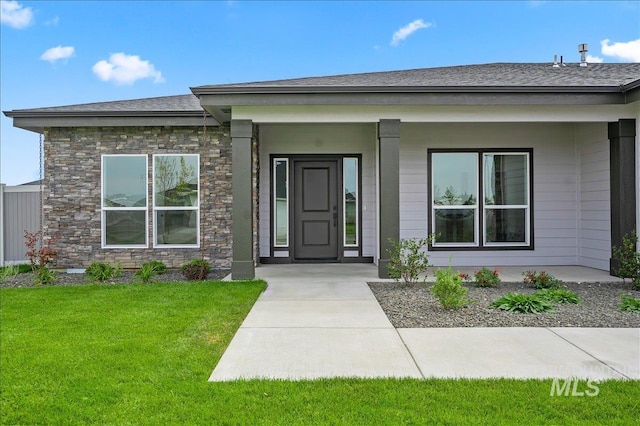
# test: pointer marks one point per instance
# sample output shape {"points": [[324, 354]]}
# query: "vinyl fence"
{"points": [[19, 212]]}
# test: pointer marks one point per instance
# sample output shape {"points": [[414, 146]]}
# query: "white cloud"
{"points": [[15, 15], [626, 51], [56, 53], [407, 30], [594, 59], [126, 69], [53, 22]]}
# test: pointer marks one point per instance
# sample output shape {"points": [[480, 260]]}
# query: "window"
{"points": [[281, 202], [176, 196], [480, 198], [124, 201], [350, 201]]}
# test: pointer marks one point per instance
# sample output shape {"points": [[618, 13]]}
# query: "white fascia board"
{"points": [[434, 114]]}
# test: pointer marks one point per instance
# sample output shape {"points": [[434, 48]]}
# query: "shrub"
{"points": [[40, 253], [629, 304], [486, 278], [159, 266], [44, 276], [628, 258], [8, 271], [448, 289], [408, 259], [541, 280], [196, 270], [99, 271], [558, 295], [523, 303], [149, 270]]}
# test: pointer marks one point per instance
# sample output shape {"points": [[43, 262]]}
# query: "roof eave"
{"points": [[231, 90], [38, 120]]}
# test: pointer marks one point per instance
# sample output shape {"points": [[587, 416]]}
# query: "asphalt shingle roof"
{"points": [[485, 75], [164, 104], [504, 75]]}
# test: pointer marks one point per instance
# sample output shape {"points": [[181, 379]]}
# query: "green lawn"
{"points": [[142, 354]]}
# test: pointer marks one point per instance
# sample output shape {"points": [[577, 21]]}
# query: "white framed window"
{"points": [[176, 200], [281, 202], [480, 198], [506, 199], [350, 201], [124, 208]]}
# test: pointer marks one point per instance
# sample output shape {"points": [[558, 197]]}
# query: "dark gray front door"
{"points": [[315, 210]]}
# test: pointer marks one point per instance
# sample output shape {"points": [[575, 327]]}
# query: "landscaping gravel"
{"points": [[127, 277], [413, 306]]}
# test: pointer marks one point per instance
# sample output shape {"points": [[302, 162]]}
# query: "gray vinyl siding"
{"points": [[595, 212], [555, 180], [293, 139], [21, 209]]}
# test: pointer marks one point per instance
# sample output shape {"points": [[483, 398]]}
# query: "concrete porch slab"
{"points": [[316, 291], [336, 313], [500, 352], [318, 272], [619, 348], [311, 353], [570, 273]]}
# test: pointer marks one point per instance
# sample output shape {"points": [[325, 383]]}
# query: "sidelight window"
{"points": [[350, 201], [281, 202]]}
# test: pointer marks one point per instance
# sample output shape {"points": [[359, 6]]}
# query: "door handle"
{"points": [[335, 216]]}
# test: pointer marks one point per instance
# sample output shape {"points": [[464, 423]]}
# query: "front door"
{"points": [[315, 214]]}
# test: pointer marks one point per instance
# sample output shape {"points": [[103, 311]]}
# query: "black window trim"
{"points": [[480, 152]]}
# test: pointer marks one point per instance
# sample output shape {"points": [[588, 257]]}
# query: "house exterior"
{"points": [[507, 164]]}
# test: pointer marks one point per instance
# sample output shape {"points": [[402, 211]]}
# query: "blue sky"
{"points": [[67, 52]]}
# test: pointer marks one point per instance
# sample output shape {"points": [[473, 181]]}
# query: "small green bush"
{"points": [[486, 278], [558, 295], [9, 271], [159, 266], [196, 270], [44, 276], [628, 258], [448, 289], [149, 270], [407, 259], [99, 271], [629, 304], [523, 303], [541, 280]]}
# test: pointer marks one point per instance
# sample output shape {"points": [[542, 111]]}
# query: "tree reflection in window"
{"points": [[176, 200]]}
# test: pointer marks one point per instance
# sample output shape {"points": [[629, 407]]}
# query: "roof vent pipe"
{"points": [[555, 61], [583, 48]]}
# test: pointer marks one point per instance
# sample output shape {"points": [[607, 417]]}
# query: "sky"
{"points": [[57, 53]]}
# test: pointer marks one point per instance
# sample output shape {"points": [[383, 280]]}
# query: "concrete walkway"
{"points": [[319, 321]]}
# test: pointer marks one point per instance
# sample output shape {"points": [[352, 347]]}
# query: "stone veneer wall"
{"points": [[72, 192]]}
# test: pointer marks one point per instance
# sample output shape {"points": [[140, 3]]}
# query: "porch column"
{"points": [[389, 188], [242, 266], [622, 140]]}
